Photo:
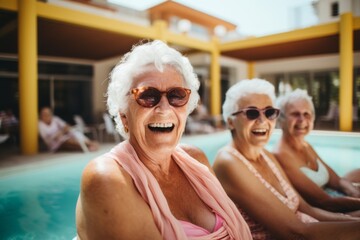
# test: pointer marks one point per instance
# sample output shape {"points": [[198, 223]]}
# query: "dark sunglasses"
{"points": [[254, 113], [149, 96]]}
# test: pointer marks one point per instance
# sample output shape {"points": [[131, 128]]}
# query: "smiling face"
{"points": [[46, 115], [160, 126], [299, 118], [255, 133]]}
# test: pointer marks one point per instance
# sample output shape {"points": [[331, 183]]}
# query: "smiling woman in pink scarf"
{"points": [[149, 186]]}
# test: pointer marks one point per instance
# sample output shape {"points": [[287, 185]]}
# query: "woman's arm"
{"points": [[341, 184], [253, 197], [311, 192], [323, 215], [109, 206], [348, 188], [249, 194]]}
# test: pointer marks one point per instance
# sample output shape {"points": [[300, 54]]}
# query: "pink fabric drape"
{"points": [[203, 181]]}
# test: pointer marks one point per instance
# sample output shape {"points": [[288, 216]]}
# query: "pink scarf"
{"points": [[203, 181]]}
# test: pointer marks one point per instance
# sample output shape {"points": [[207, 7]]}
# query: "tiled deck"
{"points": [[10, 156]]}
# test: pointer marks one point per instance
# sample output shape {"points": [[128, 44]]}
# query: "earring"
{"points": [[126, 129]]}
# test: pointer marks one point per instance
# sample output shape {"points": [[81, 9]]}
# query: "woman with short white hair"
{"points": [[311, 176], [149, 186]]}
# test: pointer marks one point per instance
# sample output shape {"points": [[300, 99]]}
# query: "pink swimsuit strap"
{"points": [[290, 199], [192, 230]]}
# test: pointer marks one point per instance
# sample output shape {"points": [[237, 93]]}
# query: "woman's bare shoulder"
{"points": [[108, 196], [224, 158], [229, 166], [104, 182], [286, 156], [104, 170]]}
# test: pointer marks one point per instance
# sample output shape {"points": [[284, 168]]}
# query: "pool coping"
{"points": [[22, 162]]}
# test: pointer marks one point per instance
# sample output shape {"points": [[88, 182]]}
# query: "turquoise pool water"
{"points": [[39, 202]]}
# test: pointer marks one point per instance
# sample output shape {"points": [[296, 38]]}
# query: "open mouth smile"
{"points": [[161, 127], [259, 132]]}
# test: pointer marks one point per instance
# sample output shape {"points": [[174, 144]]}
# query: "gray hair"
{"points": [[157, 53], [291, 97], [242, 89]]}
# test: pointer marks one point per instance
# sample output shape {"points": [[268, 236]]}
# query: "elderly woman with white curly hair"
{"points": [[254, 180], [149, 186], [316, 181]]}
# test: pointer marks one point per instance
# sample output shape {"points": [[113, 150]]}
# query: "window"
{"points": [[334, 9], [66, 86]]}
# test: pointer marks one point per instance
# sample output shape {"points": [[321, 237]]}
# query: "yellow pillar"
{"points": [[160, 26], [346, 72], [28, 79], [251, 70], [215, 87]]}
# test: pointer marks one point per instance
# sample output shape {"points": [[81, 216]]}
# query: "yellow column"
{"points": [[251, 70], [346, 72], [28, 79], [160, 26], [215, 87]]}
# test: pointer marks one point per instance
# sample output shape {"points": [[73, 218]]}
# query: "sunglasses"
{"points": [[149, 96], [254, 113]]}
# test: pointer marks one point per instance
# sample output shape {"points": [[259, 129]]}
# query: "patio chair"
{"points": [[109, 128], [84, 128], [331, 117], [3, 137]]}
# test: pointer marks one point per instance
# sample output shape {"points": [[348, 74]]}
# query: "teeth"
{"points": [[161, 125], [259, 130]]}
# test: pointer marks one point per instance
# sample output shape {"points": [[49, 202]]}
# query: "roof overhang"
{"points": [[68, 33], [169, 8], [320, 39], [64, 32]]}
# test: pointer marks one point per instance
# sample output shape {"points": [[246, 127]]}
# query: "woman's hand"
{"points": [[348, 188]]}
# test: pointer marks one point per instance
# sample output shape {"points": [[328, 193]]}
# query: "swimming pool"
{"points": [[38, 202]]}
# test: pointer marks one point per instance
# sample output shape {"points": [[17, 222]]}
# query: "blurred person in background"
{"points": [[316, 181], [58, 135]]}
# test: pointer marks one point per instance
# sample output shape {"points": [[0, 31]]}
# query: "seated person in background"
{"points": [[309, 174], [9, 124], [254, 180], [149, 186], [8, 119], [58, 135]]}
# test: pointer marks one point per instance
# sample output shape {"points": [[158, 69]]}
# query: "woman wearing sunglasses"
{"points": [[317, 183], [254, 180], [149, 186]]}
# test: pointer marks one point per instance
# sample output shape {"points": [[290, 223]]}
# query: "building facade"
{"points": [[59, 53]]}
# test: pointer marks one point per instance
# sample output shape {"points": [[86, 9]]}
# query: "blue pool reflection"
{"points": [[39, 202]]}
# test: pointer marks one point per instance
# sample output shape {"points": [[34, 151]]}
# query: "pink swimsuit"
{"points": [[192, 230], [229, 224], [291, 199]]}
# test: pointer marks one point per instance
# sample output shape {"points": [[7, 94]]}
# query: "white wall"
{"points": [[324, 9], [356, 7], [100, 83], [238, 67], [321, 62]]}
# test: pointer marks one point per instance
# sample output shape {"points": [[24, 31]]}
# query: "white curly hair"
{"points": [[242, 89], [291, 97], [154, 52]]}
